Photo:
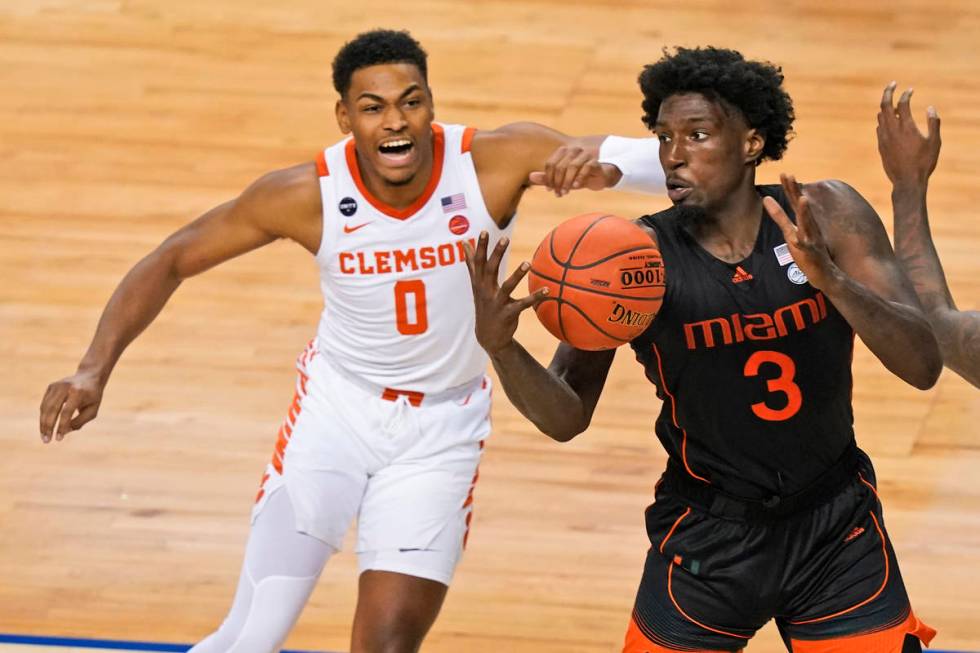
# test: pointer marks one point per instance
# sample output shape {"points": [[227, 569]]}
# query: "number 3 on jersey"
{"points": [[419, 322], [782, 383]]}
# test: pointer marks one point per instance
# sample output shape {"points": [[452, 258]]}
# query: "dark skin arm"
{"points": [[909, 159], [841, 245], [511, 158], [282, 204], [559, 399]]}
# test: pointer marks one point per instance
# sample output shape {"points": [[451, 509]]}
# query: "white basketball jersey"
{"points": [[398, 305]]}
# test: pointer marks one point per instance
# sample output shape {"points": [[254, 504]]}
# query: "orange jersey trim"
{"points": [[438, 154], [884, 641], [321, 164], [674, 528], [884, 583], [468, 134], [637, 642], [673, 415], [468, 503], [873, 490], [292, 413], [670, 592]]}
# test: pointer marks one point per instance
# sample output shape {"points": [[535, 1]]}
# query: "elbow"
{"points": [[931, 366], [563, 432], [563, 436], [933, 369], [927, 378]]}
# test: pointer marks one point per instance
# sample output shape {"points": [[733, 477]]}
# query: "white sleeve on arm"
{"points": [[639, 161]]}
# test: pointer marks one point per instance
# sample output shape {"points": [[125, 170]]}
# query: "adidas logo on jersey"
{"points": [[741, 275]]}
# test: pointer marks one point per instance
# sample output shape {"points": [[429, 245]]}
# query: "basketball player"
{"points": [[767, 509], [391, 405], [909, 159]]}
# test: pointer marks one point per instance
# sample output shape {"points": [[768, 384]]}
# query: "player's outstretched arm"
{"points": [[909, 159], [510, 158], [272, 207], [560, 399], [838, 241], [628, 164]]}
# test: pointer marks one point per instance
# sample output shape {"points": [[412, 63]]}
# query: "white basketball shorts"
{"points": [[405, 464]]}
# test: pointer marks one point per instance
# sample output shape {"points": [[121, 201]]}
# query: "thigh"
{"points": [[705, 581], [846, 589], [321, 456], [416, 512]]}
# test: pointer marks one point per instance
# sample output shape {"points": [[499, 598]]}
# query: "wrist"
{"points": [[833, 281], [98, 369], [909, 190], [503, 350], [634, 163]]}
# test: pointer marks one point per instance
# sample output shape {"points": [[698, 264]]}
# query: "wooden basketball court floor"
{"points": [[122, 119]]}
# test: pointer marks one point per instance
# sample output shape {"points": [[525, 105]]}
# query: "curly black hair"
{"points": [[378, 46], [754, 88]]}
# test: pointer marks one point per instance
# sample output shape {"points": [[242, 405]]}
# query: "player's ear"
{"points": [[343, 116], [755, 142]]}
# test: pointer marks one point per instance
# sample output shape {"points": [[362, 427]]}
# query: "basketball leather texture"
{"points": [[606, 281]]}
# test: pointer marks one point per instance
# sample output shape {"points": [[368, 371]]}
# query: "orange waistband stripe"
{"points": [[392, 394]]}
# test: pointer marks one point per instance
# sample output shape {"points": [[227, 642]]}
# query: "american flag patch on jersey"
{"points": [[452, 203], [782, 254]]}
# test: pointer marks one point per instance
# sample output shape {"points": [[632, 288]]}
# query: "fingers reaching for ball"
{"points": [[497, 312]]}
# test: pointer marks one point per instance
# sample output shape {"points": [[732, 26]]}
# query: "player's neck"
{"points": [[398, 196], [731, 231]]}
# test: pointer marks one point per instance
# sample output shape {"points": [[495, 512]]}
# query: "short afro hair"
{"points": [[378, 46], [752, 87]]}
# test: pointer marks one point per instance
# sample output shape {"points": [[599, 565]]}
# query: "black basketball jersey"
{"points": [[752, 363]]}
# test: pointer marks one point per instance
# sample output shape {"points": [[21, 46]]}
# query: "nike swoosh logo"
{"points": [[349, 229]]}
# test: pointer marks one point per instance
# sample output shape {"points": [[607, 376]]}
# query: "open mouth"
{"points": [[396, 150], [677, 190]]}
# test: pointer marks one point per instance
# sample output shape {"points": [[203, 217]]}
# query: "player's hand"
{"points": [[69, 404], [907, 156], [497, 312], [805, 239], [572, 167]]}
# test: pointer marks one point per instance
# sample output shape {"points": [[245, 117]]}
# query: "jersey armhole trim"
{"points": [[467, 141], [321, 164]]}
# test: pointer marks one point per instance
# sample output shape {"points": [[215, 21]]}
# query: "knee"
{"points": [[396, 632]]}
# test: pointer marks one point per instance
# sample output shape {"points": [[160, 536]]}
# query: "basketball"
{"points": [[605, 278]]}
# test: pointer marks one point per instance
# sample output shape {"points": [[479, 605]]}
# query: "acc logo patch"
{"points": [[459, 225], [348, 206], [796, 275]]}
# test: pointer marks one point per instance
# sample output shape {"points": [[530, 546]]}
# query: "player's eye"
{"points": [[699, 135], [663, 138], [371, 108], [413, 102]]}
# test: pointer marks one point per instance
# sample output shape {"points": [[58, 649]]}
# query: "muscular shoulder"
{"points": [[295, 187], [844, 215], [523, 146], [838, 200], [286, 203]]}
